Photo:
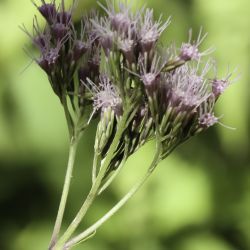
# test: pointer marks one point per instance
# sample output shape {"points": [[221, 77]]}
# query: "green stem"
{"points": [[65, 192], [67, 116], [117, 171], [95, 187], [110, 180], [96, 163], [120, 204]]}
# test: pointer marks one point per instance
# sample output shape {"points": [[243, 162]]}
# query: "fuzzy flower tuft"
{"points": [[150, 30], [207, 120], [151, 76], [186, 87], [48, 10], [121, 20], [190, 50], [105, 95]]}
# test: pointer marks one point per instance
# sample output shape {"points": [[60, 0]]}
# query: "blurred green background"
{"points": [[198, 199]]}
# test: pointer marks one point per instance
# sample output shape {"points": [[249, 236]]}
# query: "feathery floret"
{"points": [[105, 95], [190, 50], [150, 30], [186, 87]]}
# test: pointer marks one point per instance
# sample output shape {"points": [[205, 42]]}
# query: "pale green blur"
{"points": [[198, 199]]}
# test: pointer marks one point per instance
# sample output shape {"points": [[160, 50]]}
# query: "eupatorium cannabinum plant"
{"points": [[110, 68]]}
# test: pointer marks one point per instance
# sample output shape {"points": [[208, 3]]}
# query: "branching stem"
{"points": [[88, 232], [96, 185]]}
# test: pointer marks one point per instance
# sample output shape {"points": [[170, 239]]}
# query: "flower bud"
{"points": [[127, 47], [207, 120], [64, 17], [151, 82], [83, 74], [219, 86], [104, 130], [40, 41], [48, 11], [107, 43], [120, 22], [106, 96], [189, 52], [151, 30], [52, 55], [43, 63], [59, 31], [148, 41], [79, 49]]}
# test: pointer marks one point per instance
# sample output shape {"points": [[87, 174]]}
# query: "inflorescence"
{"points": [[111, 65]]}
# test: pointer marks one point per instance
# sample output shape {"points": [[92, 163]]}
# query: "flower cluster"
{"points": [[113, 65], [110, 68], [68, 55]]}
